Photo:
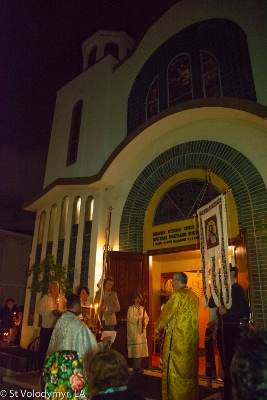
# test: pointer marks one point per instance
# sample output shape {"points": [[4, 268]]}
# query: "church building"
{"points": [[149, 132]]}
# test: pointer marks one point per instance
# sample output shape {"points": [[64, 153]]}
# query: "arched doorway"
{"points": [[231, 167]]}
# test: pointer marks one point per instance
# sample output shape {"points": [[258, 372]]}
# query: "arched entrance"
{"points": [[232, 167]]}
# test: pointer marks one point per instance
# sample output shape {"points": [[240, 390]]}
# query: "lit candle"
{"points": [[57, 303], [96, 307]]}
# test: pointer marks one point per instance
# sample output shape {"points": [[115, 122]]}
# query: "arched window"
{"points": [[152, 99], [52, 222], [74, 133], [182, 200], [179, 79], [92, 57], [41, 228], [88, 215], [76, 216], [202, 60], [89, 209], [63, 217], [113, 49], [210, 75]]}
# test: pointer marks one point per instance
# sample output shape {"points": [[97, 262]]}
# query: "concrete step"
{"points": [[22, 386]]}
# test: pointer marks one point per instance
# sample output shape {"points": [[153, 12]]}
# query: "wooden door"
{"points": [[131, 274]]}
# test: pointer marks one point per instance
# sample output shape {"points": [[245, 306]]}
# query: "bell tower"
{"points": [[103, 43]]}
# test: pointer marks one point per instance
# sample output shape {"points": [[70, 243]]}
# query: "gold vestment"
{"points": [[180, 350]]}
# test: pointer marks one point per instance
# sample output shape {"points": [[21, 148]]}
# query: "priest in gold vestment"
{"points": [[180, 349]]}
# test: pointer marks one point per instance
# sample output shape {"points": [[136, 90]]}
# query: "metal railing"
{"points": [[32, 362]]}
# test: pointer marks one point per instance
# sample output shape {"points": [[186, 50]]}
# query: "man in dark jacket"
{"points": [[229, 327], [7, 316]]}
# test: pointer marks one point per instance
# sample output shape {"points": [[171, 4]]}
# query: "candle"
{"points": [[57, 303], [95, 316], [233, 261]]}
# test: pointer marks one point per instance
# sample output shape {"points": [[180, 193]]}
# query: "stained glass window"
{"points": [[210, 75], [179, 79], [183, 200], [152, 99]]}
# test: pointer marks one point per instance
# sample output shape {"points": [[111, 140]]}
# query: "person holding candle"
{"points": [[70, 333], [70, 350], [109, 304], [83, 293], [7, 316], [51, 306], [137, 320]]}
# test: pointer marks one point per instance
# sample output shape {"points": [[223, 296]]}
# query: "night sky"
{"points": [[40, 51]]}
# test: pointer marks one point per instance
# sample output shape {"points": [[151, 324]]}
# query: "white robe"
{"points": [[136, 333], [70, 333]]}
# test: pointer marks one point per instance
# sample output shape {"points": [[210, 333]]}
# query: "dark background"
{"points": [[40, 51]]}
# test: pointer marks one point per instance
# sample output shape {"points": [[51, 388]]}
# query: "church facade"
{"points": [[151, 131]]}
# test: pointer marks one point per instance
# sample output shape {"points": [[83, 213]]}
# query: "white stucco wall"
{"points": [[231, 127], [105, 92]]}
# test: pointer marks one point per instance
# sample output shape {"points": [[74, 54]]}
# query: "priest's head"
{"points": [[74, 304]]}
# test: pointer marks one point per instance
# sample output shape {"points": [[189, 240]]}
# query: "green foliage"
{"points": [[46, 272]]}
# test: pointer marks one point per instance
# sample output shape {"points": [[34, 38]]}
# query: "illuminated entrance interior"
{"points": [[171, 234], [164, 266]]}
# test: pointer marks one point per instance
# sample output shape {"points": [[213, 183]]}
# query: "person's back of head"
{"points": [[72, 301], [249, 367], [107, 369], [181, 276]]}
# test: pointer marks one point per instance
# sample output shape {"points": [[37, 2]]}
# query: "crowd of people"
{"points": [[11, 322], [68, 348], [107, 371], [73, 361]]}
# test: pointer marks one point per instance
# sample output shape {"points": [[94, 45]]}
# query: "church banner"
{"points": [[214, 252]]}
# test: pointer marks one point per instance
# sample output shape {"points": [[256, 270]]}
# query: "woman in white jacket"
{"points": [[137, 320]]}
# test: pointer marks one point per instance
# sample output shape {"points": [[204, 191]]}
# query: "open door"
{"points": [[131, 274]]}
